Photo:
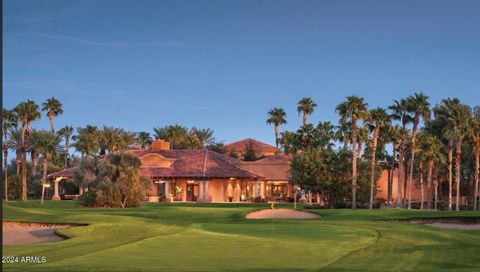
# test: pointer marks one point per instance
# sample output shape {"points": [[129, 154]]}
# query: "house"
{"points": [[203, 175]]}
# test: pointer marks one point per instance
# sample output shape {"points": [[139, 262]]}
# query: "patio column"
{"points": [[200, 190], [255, 188], [55, 195], [206, 190], [167, 189], [262, 189]]}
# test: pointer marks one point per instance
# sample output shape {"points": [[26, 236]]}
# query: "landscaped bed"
{"points": [[217, 237]]}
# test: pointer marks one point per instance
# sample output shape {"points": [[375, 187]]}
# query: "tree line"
{"points": [[441, 142]]}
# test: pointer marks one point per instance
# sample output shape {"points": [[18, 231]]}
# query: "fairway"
{"points": [[217, 237]]}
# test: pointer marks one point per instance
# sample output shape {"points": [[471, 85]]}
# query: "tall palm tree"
{"points": [[87, 140], [400, 113], [9, 120], [26, 112], [47, 146], [144, 139], [66, 132], [175, 134], [52, 107], [393, 137], [457, 117], [475, 134], [378, 119], [343, 134], [276, 117], [15, 143], [306, 106], [352, 110], [419, 106], [204, 136], [33, 142], [430, 148]]}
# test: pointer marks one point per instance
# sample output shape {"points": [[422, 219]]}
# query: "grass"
{"points": [[216, 237]]}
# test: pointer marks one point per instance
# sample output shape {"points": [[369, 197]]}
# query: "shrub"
{"points": [[89, 199]]}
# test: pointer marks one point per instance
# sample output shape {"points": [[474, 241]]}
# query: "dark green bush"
{"points": [[88, 199]]}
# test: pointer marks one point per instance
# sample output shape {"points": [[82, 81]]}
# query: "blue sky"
{"points": [[224, 64]]}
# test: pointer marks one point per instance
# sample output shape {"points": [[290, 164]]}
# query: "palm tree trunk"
{"points": [[477, 170], [354, 164], [429, 184], [67, 145], [24, 174], [420, 166], [401, 174], [412, 160], [34, 159], [372, 177], [390, 181], [18, 161], [276, 135], [44, 169], [450, 173], [50, 120], [458, 158], [5, 163], [304, 118]]}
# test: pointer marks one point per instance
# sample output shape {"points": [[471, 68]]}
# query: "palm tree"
{"points": [[47, 146], [430, 148], [419, 106], [289, 142], [276, 117], [204, 136], [400, 113], [457, 118], [9, 120], [15, 143], [306, 106], [26, 112], [377, 120], [52, 107], [393, 137], [475, 134], [175, 134], [87, 140], [343, 134], [33, 141], [66, 132], [144, 139], [353, 109]]}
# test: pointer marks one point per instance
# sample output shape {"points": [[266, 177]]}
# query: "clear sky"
{"points": [[223, 64]]}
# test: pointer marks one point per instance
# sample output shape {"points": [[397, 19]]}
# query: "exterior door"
{"points": [[192, 192]]}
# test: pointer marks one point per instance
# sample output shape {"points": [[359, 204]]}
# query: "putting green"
{"points": [[217, 237]]}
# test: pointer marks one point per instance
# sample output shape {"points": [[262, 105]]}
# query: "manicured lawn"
{"points": [[216, 237]]}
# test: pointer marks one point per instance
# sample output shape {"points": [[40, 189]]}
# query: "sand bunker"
{"points": [[17, 233], [281, 214], [463, 223]]}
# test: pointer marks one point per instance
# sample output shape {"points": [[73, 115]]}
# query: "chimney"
{"points": [[160, 145]]}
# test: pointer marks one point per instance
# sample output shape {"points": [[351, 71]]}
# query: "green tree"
{"points": [[87, 140], [9, 120], [26, 112], [399, 111], [276, 116], [418, 105], [252, 152], [119, 183], [475, 135], [377, 120], [144, 139], [52, 107], [67, 133], [306, 106], [175, 134], [47, 146], [430, 149], [352, 110]]}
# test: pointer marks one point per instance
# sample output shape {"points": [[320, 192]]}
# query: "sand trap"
{"points": [[463, 223], [455, 226], [17, 233], [281, 214]]}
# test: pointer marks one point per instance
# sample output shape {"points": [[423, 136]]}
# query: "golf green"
{"points": [[217, 237]]}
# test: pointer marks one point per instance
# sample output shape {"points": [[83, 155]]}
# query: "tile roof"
{"points": [[242, 143], [273, 168], [200, 163]]}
